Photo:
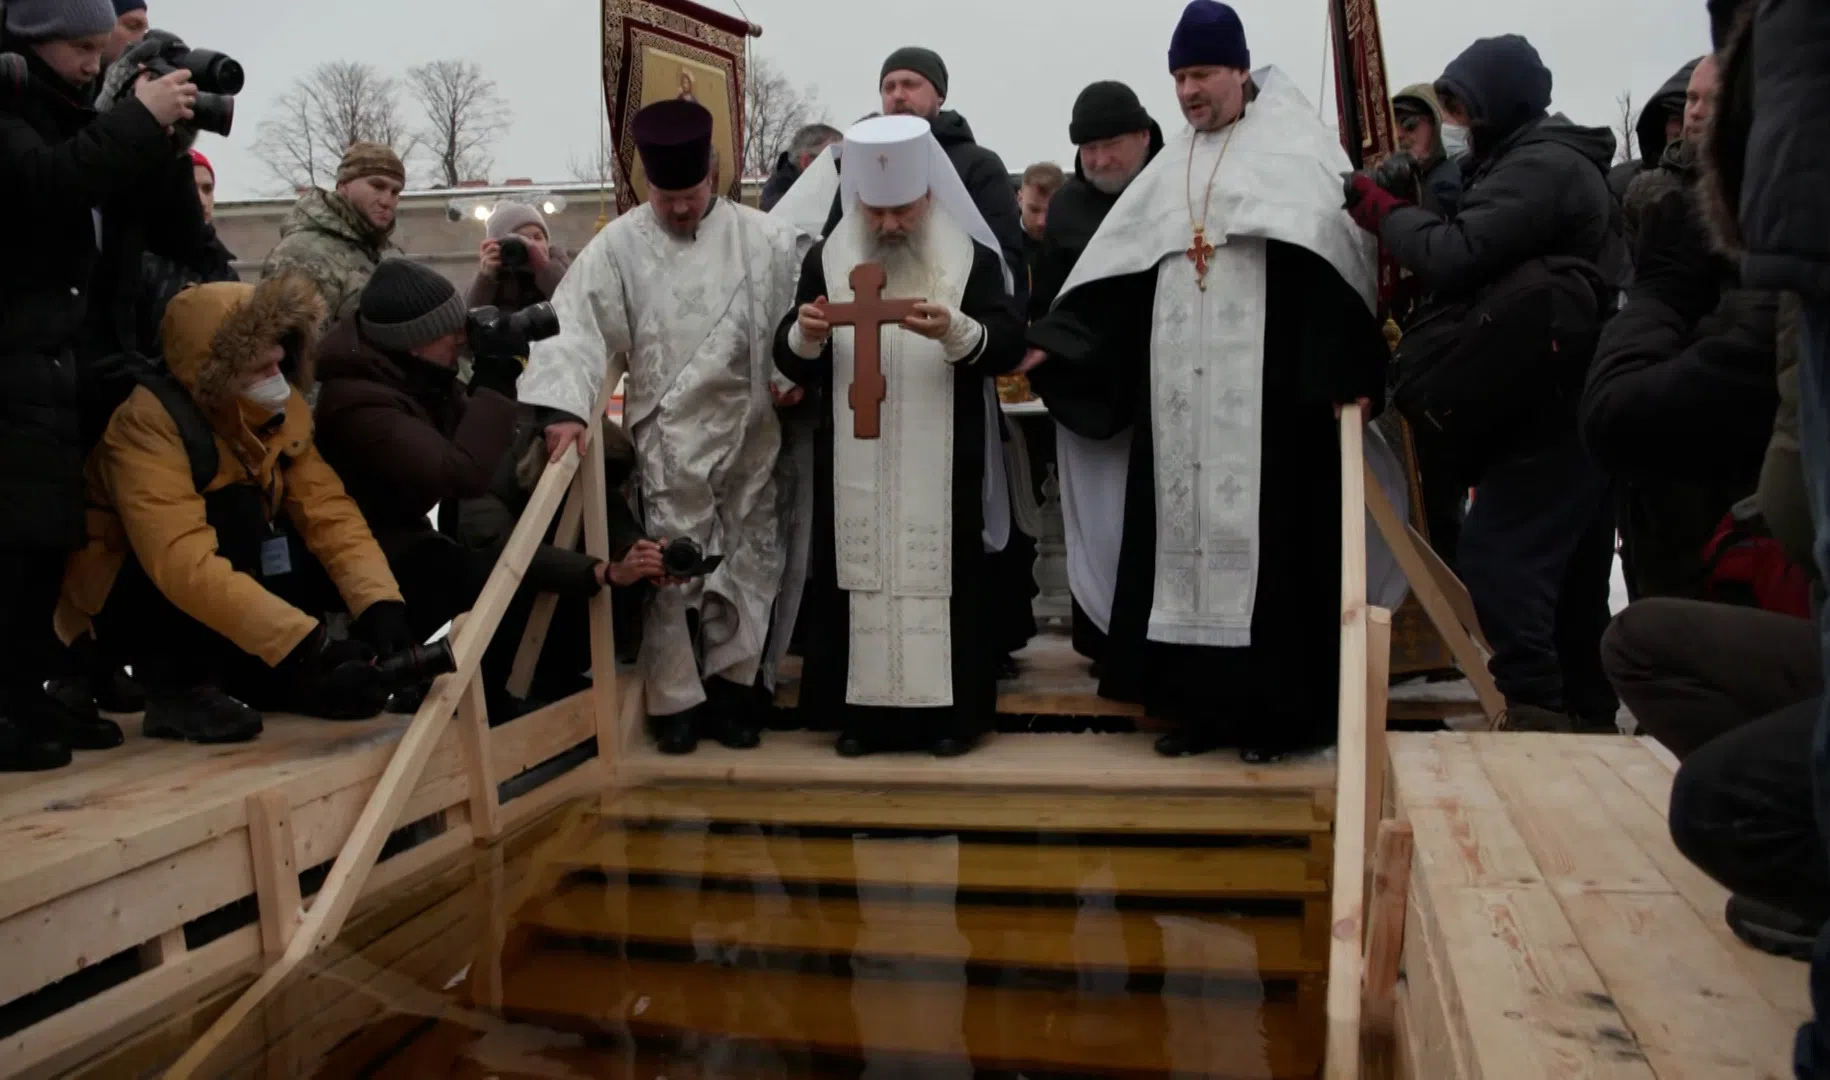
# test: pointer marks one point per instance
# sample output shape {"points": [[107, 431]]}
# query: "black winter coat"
{"points": [[162, 278], [1542, 191], [1783, 198], [66, 303], [1681, 396], [988, 182]]}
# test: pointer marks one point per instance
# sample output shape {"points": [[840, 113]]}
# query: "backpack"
{"points": [[1744, 565], [112, 382], [1511, 355]]}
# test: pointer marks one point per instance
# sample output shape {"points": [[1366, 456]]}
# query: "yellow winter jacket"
{"points": [[142, 496]]}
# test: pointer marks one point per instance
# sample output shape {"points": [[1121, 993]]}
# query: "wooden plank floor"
{"points": [[1555, 931]]}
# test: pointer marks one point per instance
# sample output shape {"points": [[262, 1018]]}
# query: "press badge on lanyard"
{"points": [[276, 557]]}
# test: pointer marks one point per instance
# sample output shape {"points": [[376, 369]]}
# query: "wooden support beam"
{"points": [[1344, 956], [1409, 548], [1391, 890], [1378, 700], [540, 618], [276, 871], [613, 739], [473, 735]]}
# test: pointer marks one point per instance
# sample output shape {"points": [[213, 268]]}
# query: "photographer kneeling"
{"points": [[217, 533], [407, 436]]}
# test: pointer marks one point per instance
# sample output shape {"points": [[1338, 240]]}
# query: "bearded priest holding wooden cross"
{"points": [[905, 314]]}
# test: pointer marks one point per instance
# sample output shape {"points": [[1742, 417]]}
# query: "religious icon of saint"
{"points": [[686, 87]]}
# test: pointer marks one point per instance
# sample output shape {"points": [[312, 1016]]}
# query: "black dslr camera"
{"points": [[682, 558], [417, 666], [492, 333], [512, 250], [217, 77]]}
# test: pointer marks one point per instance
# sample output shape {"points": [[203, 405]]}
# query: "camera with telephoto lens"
{"points": [[217, 77], [682, 558], [512, 250], [492, 333], [417, 666]]}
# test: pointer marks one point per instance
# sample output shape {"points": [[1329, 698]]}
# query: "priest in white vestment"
{"points": [[682, 294], [898, 601], [1204, 339]]}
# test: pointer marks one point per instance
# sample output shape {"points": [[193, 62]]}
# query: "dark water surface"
{"points": [[682, 932]]}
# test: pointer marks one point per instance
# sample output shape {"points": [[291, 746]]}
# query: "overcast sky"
{"points": [[1015, 66]]}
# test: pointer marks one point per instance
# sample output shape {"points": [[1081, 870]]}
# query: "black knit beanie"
{"points": [[924, 62], [1106, 110], [405, 305]]}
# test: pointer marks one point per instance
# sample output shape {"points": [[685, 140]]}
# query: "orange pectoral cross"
{"points": [[1197, 253], [868, 313]]}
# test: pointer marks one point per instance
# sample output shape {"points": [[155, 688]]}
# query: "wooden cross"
{"points": [[868, 313], [1197, 253]]}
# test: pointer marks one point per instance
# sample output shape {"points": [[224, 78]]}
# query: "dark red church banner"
{"points": [[660, 49]]}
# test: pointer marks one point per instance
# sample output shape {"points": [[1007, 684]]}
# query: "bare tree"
{"points": [[464, 114], [1623, 135], [596, 165], [335, 104], [774, 109]]}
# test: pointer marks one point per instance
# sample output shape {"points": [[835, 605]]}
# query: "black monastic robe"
{"points": [[826, 609], [1322, 347]]}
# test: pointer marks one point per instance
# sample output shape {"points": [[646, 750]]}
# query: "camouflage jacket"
{"points": [[328, 241]]}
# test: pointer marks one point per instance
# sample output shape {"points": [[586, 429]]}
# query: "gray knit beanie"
{"points": [[509, 216], [924, 62], [58, 20], [406, 305]]}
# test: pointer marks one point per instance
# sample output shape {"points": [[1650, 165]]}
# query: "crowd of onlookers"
{"points": [[225, 488]]}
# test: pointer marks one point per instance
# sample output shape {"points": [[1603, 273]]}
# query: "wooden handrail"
{"points": [[325, 916]]}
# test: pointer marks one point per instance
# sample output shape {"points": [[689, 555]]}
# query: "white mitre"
{"points": [[891, 161]]}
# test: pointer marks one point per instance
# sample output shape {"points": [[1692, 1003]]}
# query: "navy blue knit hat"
{"points": [[1209, 35]]}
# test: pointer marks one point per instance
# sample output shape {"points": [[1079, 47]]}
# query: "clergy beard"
{"points": [[902, 251]]}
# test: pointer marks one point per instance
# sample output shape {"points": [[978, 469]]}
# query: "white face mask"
{"points": [[1454, 139], [271, 393]]}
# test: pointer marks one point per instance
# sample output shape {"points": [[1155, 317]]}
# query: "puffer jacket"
{"points": [[1766, 192], [89, 194], [1537, 184], [143, 499], [328, 241]]}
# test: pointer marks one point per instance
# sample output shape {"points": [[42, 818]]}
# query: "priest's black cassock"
{"points": [[1321, 346], [826, 614]]}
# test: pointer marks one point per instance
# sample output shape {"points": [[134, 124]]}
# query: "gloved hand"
{"points": [[333, 680], [1398, 174], [1368, 203], [384, 626], [498, 373], [1672, 260]]}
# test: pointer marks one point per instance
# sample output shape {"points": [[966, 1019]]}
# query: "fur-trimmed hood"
{"points": [[212, 332]]}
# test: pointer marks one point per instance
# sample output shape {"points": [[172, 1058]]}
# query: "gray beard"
{"points": [[1112, 185]]}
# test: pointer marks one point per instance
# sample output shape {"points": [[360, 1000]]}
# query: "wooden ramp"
{"points": [[1554, 930], [116, 865]]}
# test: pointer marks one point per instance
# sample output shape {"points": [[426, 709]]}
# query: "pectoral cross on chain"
{"points": [[868, 313], [1197, 253]]}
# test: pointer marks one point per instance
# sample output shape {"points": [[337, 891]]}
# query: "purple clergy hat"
{"points": [[1209, 35], [674, 139]]}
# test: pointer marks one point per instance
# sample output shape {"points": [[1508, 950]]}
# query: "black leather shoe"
{"points": [[25, 749], [67, 709], [116, 693], [737, 736], [677, 734], [1185, 743], [852, 745], [1537, 718], [202, 714], [952, 746], [1771, 929]]}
